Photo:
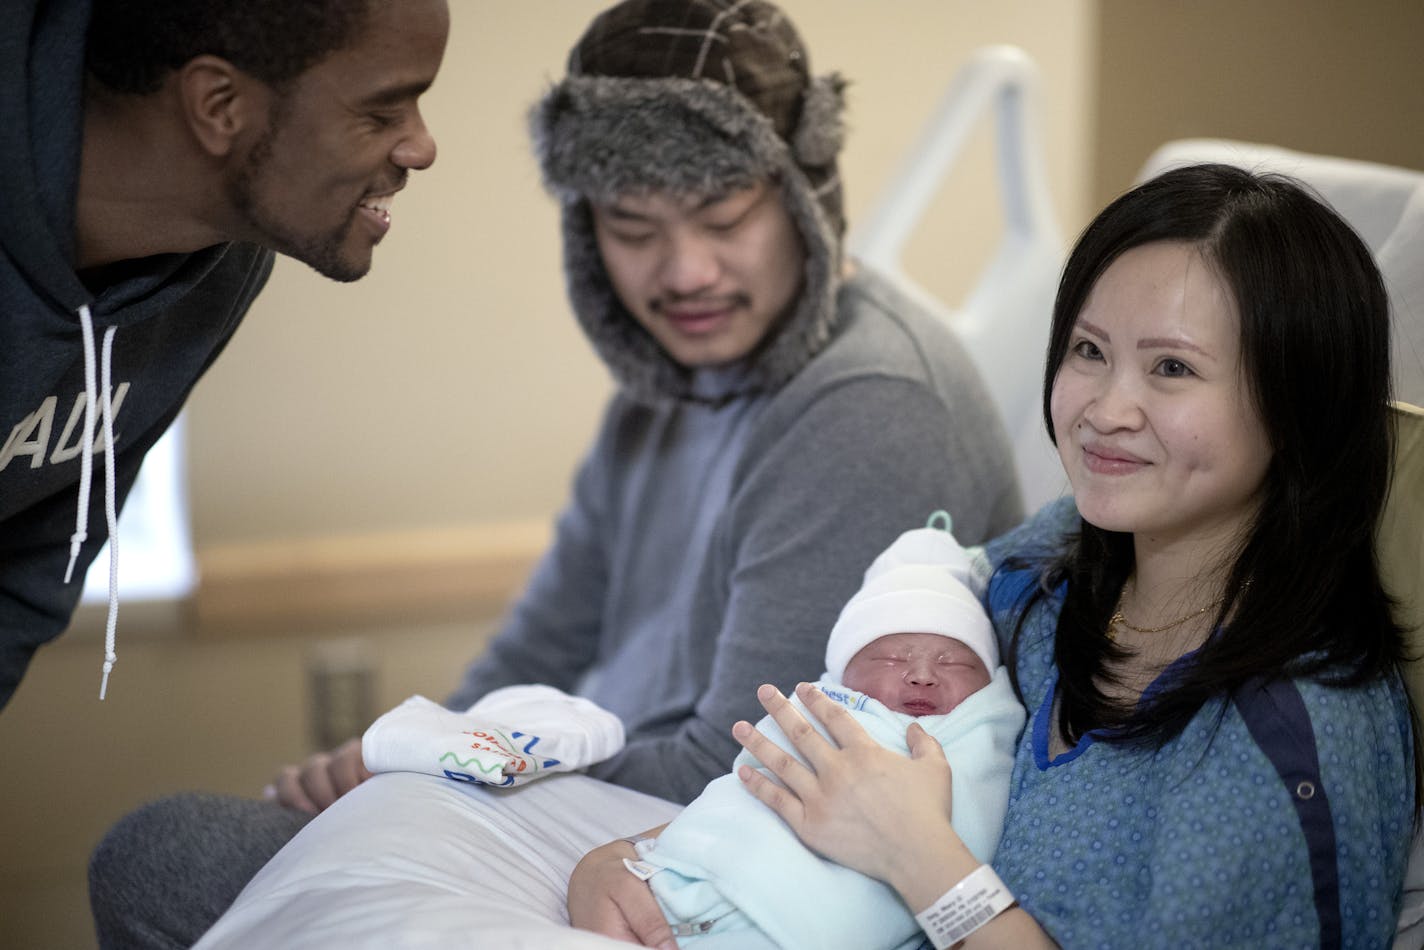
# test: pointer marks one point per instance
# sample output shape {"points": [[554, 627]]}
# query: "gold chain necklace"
{"points": [[1118, 619]]}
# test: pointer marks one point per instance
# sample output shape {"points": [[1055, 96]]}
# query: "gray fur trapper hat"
{"points": [[693, 97]]}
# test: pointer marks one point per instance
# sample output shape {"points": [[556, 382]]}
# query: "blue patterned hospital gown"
{"points": [[1199, 844]]}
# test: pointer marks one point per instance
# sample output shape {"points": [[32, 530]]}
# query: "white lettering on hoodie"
{"points": [[31, 435]]}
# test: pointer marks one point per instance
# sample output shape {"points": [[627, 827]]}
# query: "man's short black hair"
{"points": [[134, 44]]}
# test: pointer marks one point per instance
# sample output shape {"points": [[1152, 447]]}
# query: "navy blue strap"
{"points": [[1277, 719]]}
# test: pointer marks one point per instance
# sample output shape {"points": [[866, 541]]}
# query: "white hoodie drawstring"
{"points": [[81, 514], [81, 517], [111, 515]]}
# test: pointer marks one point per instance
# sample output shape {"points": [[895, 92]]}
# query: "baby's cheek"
{"points": [[863, 678]]}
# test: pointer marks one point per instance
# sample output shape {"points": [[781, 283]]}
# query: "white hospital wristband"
{"points": [[640, 869], [965, 907]]}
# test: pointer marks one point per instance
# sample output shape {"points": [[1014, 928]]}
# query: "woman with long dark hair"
{"points": [[1219, 749]]}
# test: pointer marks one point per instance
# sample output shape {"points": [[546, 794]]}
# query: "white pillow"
{"points": [[410, 860]]}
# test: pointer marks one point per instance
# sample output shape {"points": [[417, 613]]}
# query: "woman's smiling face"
{"points": [[1154, 421]]}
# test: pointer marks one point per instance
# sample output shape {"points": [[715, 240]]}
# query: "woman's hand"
{"points": [[605, 897], [859, 804]]}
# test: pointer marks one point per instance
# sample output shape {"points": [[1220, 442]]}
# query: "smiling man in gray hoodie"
{"points": [[150, 172]]}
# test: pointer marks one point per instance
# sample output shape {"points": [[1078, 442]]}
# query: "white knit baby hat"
{"points": [[919, 584]]}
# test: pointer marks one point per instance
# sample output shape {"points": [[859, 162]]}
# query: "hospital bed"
{"points": [[1004, 319], [408, 860]]}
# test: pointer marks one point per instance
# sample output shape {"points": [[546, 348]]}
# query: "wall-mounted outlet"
{"points": [[342, 683]]}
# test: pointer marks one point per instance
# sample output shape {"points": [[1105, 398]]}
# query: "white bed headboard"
{"points": [[1004, 320]]}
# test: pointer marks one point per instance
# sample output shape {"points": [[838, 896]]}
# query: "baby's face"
{"points": [[921, 674]]}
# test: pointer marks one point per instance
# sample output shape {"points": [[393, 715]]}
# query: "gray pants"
{"points": [[166, 871]]}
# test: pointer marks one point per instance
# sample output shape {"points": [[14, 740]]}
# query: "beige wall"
{"points": [[446, 396], [1320, 76], [451, 385]]}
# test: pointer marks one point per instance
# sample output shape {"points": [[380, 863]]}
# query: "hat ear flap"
{"points": [[820, 133]]}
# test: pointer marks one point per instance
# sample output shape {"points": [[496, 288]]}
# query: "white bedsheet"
{"points": [[410, 860]]}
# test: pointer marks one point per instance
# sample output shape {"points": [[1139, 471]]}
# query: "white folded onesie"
{"points": [[510, 737]]}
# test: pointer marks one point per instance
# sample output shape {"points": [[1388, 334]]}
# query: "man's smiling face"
{"points": [[340, 141]]}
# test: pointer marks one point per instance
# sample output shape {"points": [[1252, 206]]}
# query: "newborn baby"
{"points": [[913, 645]]}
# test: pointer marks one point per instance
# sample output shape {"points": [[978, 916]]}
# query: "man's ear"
{"points": [[221, 104]]}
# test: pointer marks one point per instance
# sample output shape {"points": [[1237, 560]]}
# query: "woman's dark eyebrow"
{"points": [[1093, 328], [1169, 343]]}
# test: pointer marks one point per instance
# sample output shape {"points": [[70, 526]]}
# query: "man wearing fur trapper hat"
{"points": [[776, 423]]}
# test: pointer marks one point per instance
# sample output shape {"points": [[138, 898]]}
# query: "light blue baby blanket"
{"points": [[798, 899]]}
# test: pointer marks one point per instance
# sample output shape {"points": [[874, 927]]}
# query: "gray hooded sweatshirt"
{"points": [[170, 315]]}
